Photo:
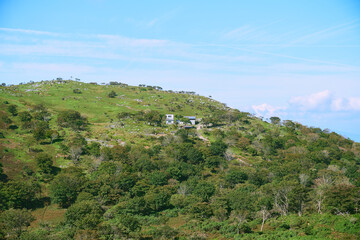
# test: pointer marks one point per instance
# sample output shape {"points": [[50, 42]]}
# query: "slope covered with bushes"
{"points": [[94, 161]]}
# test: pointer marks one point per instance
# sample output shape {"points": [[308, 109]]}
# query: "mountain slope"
{"points": [[104, 153]]}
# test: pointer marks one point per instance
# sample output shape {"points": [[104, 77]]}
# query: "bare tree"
{"points": [[240, 217], [264, 214], [281, 199], [54, 135], [321, 185], [75, 152]]}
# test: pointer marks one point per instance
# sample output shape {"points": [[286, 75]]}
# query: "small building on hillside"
{"points": [[169, 119], [192, 119]]}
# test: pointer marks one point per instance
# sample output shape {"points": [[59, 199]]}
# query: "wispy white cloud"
{"points": [[267, 110], [152, 22], [116, 47], [323, 102], [254, 36], [155, 21], [27, 31], [325, 33], [346, 104], [316, 101], [248, 32], [133, 42], [279, 55], [312, 67], [53, 67]]}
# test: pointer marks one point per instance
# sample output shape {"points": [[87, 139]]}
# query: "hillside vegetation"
{"points": [[89, 161]]}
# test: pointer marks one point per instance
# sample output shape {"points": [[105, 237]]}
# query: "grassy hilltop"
{"points": [[93, 161]]}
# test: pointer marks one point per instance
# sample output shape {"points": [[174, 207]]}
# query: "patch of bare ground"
{"points": [[49, 214]]}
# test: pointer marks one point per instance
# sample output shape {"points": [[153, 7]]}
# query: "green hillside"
{"points": [[93, 161]]}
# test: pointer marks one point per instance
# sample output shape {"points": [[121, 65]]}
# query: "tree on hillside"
{"points": [[41, 113], [112, 94], [235, 176], [155, 118], [40, 129], [204, 190], [3, 176], [25, 116], [275, 120], [65, 187], [45, 163], [343, 198], [72, 119], [218, 148], [194, 156], [77, 91], [121, 226], [77, 146], [19, 194], [12, 109], [84, 215], [52, 135], [15, 221]]}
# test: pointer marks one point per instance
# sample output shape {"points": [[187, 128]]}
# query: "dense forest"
{"points": [[88, 161]]}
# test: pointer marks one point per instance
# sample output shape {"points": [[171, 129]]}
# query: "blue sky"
{"points": [[298, 60]]}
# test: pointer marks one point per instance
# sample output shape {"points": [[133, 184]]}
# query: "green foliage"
{"points": [[235, 176], [164, 232], [275, 120], [94, 149], [121, 226], [12, 109], [84, 214], [41, 113], [243, 198], [84, 196], [228, 180], [158, 198], [153, 117], [40, 130], [120, 153], [65, 187], [158, 178], [342, 198], [37, 234], [2, 175], [204, 190], [213, 161], [25, 116], [72, 119], [112, 94], [15, 221], [201, 210], [45, 163], [218, 148], [194, 156], [77, 91], [181, 171], [19, 194], [125, 181], [136, 205]]}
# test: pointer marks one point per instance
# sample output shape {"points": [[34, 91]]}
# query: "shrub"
{"points": [[112, 94], [12, 109], [15, 220], [235, 176], [84, 215], [77, 91], [65, 188], [72, 119]]}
